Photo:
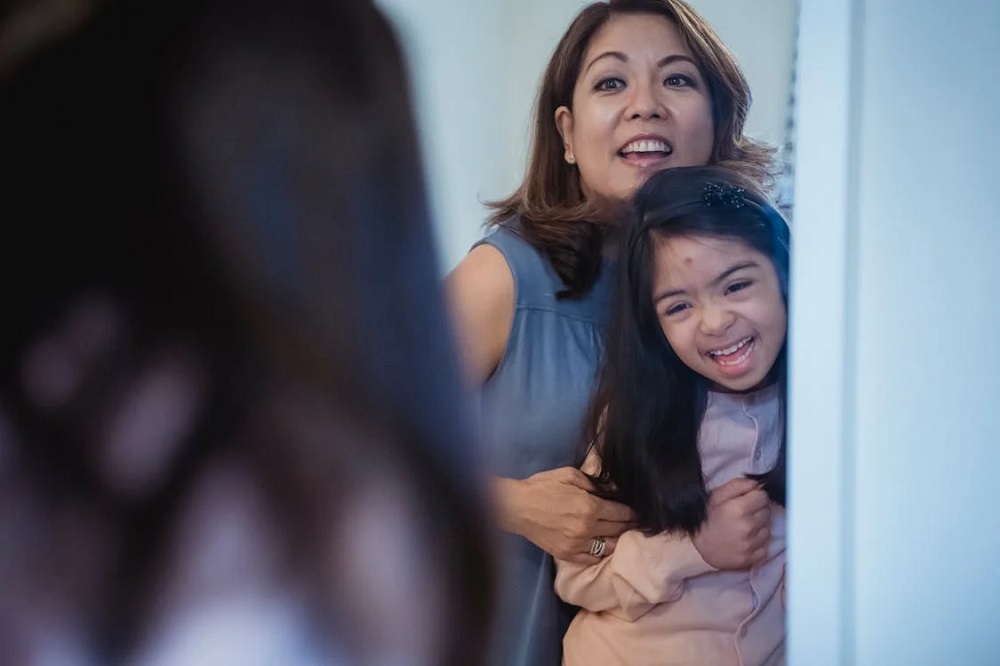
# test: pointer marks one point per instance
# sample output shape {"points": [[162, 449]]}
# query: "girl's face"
{"points": [[640, 105], [720, 306]]}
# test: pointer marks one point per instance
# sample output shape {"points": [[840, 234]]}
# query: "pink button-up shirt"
{"points": [[656, 600]]}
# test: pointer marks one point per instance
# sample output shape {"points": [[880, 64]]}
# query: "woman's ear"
{"points": [[564, 124]]}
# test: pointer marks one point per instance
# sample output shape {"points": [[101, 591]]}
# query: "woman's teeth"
{"points": [[646, 146]]}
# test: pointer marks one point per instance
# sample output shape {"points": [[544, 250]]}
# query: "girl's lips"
{"points": [[730, 349], [736, 362]]}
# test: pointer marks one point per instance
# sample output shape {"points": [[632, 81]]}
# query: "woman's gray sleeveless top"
{"points": [[531, 415]]}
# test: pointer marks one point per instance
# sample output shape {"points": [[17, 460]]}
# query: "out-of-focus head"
{"points": [[668, 77], [217, 172], [216, 203]]}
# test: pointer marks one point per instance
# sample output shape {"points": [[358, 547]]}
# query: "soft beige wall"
{"points": [[475, 67]]}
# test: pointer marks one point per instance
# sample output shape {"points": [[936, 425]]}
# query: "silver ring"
{"points": [[597, 547]]}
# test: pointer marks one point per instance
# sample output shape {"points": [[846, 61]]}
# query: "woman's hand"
{"points": [[738, 528], [557, 511]]}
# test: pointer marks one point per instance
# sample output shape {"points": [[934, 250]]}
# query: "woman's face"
{"points": [[720, 307], [639, 105]]}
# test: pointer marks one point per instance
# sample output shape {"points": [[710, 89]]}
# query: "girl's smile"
{"points": [[732, 360]]}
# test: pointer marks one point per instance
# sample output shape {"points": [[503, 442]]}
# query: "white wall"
{"points": [[457, 65], [475, 68], [895, 414]]}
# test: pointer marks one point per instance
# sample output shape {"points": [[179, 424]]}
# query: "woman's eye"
{"points": [[679, 81], [738, 286], [610, 83]]}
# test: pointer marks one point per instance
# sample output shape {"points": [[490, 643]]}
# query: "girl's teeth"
{"points": [[730, 350], [735, 361]]}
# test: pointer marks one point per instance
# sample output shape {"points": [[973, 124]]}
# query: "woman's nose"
{"points": [[644, 102]]}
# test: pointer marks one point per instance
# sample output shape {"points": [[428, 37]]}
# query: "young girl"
{"points": [[688, 425]]}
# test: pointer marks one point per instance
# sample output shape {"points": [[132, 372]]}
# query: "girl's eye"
{"points": [[610, 83], [738, 286], [676, 309], [679, 81]]}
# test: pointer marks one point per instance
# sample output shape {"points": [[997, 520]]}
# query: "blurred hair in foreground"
{"points": [[231, 427]]}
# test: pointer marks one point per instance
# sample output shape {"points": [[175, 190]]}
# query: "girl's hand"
{"points": [[738, 528], [557, 512]]}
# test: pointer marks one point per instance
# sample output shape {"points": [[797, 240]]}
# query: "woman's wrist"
{"points": [[506, 500]]}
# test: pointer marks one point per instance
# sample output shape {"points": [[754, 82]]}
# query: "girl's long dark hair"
{"points": [[647, 412]]}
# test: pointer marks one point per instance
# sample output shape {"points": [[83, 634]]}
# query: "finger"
{"points": [[574, 477], [753, 501], [609, 546], [761, 538], [732, 489], [580, 558], [613, 512], [612, 529], [588, 549], [762, 516]]}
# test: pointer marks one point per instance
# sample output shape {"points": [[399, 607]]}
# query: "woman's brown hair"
{"points": [[549, 206]]}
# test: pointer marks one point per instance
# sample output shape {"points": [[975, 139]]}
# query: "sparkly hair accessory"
{"points": [[724, 195]]}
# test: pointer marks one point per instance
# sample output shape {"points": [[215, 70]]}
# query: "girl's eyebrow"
{"points": [[733, 269], [714, 283]]}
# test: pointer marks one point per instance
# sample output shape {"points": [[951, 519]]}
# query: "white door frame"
{"points": [[823, 312]]}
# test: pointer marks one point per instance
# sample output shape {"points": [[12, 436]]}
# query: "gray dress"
{"points": [[531, 418]]}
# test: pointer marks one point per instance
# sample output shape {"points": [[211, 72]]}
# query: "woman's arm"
{"points": [[480, 293], [553, 509]]}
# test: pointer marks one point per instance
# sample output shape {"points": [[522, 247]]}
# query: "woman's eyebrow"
{"points": [[670, 59], [617, 55], [662, 62]]}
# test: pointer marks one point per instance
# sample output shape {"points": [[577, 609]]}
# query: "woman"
{"points": [[634, 86], [229, 419]]}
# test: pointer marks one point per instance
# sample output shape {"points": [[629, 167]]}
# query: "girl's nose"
{"points": [[716, 320]]}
